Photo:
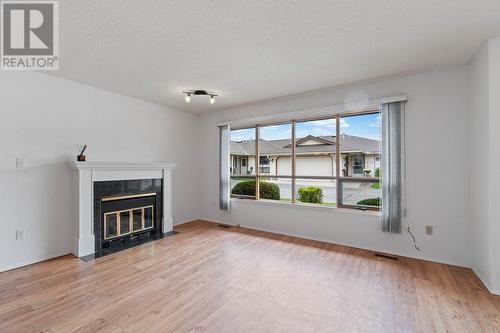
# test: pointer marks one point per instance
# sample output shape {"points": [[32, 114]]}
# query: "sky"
{"points": [[367, 126]]}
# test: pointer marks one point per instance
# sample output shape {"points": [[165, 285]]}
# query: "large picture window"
{"points": [[296, 162]]}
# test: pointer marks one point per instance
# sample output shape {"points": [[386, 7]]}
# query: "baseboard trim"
{"points": [[32, 261], [186, 221]]}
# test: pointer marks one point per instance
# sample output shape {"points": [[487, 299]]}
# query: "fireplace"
{"points": [[126, 211], [121, 203]]}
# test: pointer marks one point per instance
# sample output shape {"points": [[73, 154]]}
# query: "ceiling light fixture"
{"points": [[199, 92]]}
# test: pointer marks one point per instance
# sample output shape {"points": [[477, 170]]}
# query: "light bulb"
{"points": [[212, 99], [188, 98]]}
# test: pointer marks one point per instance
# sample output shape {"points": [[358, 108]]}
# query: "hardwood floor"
{"points": [[212, 279]]}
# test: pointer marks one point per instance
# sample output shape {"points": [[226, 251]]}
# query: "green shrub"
{"points": [[376, 186], [377, 172], [269, 191], [266, 190], [312, 194], [370, 202]]}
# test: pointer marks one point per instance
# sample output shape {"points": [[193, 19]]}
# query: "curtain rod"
{"points": [[314, 112]]}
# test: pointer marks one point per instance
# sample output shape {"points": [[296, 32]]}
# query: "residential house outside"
{"points": [[314, 155]]}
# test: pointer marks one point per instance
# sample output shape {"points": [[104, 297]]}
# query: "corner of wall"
{"points": [[483, 105]]}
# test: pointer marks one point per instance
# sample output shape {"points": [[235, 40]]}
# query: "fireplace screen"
{"points": [[125, 222]]}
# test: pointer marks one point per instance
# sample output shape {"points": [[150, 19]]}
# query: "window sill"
{"points": [[313, 207]]}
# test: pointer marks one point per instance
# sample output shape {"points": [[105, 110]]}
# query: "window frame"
{"points": [[338, 178]]}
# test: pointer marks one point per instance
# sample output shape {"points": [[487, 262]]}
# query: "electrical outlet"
{"points": [[19, 234], [429, 229]]}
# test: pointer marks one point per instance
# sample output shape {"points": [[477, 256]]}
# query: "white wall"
{"points": [[480, 159], [495, 160], [42, 119], [437, 174], [484, 117]]}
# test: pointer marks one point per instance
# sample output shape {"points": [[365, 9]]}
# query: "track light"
{"points": [[199, 92]]}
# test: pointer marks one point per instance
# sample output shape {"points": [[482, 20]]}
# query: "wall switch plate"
{"points": [[19, 234], [20, 163], [429, 229]]}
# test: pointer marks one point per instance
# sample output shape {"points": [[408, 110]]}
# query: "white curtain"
{"points": [[392, 153], [224, 165]]}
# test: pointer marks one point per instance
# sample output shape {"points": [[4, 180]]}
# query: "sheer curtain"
{"points": [[392, 162], [224, 178]]}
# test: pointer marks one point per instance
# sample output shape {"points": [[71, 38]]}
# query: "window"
{"points": [[242, 151], [315, 165], [275, 172], [360, 141], [357, 165], [297, 161], [264, 165]]}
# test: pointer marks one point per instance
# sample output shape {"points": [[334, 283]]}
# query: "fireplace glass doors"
{"points": [[127, 217], [126, 222]]}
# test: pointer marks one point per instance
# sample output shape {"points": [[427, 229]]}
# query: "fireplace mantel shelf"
{"points": [[120, 165]]}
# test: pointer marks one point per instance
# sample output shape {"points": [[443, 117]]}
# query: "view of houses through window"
{"points": [[297, 161], [242, 159], [315, 149]]}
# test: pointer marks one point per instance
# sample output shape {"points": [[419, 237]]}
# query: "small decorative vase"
{"points": [[80, 158]]}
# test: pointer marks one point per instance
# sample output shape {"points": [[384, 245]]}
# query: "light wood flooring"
{"points": [[213, 279]]}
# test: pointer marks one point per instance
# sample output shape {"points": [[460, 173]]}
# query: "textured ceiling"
{"points": [[253, 50]]}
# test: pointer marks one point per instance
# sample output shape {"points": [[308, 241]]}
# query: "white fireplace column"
{"points": [[89, 172]]}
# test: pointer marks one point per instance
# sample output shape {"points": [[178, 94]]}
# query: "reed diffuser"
{"points": [[81, 150]]}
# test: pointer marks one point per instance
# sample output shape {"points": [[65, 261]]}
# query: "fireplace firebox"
{"points": [[127, 217], [126, 211]]}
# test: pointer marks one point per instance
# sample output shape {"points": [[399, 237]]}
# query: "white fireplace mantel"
{"points": [[90, 172]]}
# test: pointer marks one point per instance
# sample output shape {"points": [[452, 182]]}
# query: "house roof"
{"points": [[307, 145]]}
